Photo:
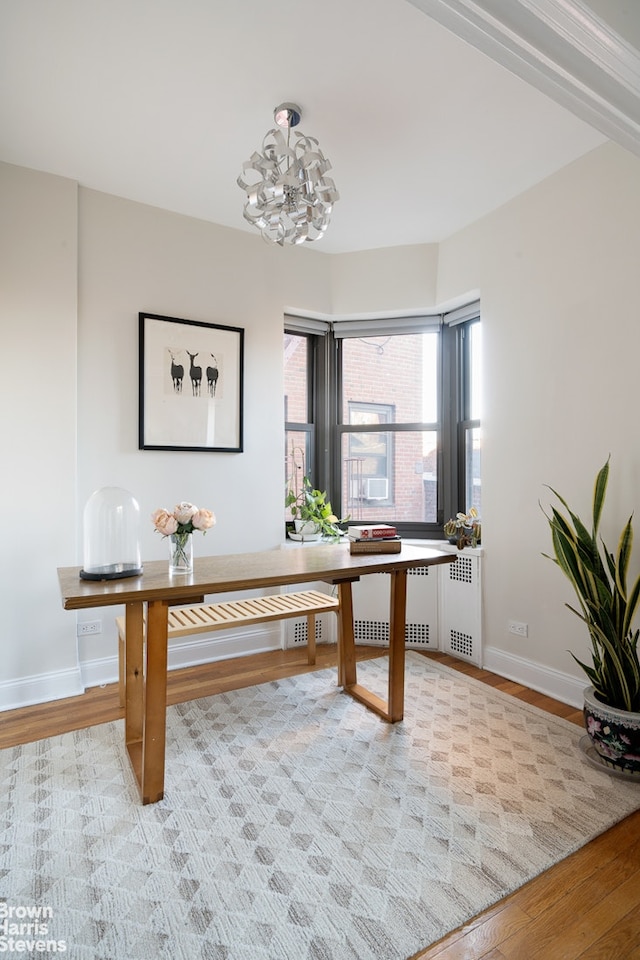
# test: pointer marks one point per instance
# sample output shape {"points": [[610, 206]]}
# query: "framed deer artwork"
{"points": [[191, 385]]}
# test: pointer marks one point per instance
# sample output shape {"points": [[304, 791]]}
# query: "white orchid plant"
{"points": [[465, 529]]}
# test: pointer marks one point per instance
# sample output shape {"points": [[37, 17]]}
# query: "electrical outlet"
{"points": [[89, 627], [520, 629]]}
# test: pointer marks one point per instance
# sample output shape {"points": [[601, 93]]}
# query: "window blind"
{"points": [[385, 327], [471, 311], [306, 325]]}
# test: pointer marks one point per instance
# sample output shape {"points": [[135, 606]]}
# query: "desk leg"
{"points": [[346, 642], [134, 674], [397, 619], [146, 698], [311, 639], [393, 709]]}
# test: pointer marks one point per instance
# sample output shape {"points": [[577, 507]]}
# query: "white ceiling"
{"points": [[161, 101]]}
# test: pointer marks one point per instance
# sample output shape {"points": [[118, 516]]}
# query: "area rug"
{"points": [[296, 823]]}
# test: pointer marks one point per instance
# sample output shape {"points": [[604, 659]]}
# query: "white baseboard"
{"points": [[192, 652], [44, 687], [40, 688], [553, 683]]}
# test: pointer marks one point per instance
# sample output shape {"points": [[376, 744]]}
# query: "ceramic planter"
{"points": [[614, 734], [307, 529]]}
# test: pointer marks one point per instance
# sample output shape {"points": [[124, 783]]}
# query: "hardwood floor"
{"points": [[585, 908]]}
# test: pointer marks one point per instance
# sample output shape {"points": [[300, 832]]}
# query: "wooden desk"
{"points": [[146, 662]]}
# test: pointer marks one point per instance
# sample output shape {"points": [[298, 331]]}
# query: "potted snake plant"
{"points": [[607, 608]]}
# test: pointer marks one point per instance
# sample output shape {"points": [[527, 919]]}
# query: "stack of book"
{"points": [[374, 538]]}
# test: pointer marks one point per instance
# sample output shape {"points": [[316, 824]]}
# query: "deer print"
{"points": [[196, 375], [212, 377], [177, 373]]}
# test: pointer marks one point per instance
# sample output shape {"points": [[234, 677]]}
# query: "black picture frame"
{"points": [[185, 404]]}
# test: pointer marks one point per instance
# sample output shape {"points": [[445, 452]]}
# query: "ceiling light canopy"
{"points": [[289, 198]]}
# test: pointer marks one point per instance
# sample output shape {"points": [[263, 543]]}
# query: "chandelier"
{"points": [[289, 198]]}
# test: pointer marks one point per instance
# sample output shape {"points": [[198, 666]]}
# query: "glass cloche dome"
{"points": [[111, 535]]}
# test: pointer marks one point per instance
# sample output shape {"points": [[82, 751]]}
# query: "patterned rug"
{"points": [[296, 823]]}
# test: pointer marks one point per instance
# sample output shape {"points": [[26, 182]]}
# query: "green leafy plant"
{"points": [[309, 504], [599, 579], [305, 502]]}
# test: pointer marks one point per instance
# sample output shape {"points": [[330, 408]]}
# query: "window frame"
{"points": [[327, 429], [466, 422], [379, 428], [306, 427]]}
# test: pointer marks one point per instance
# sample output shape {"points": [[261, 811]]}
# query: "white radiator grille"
{"points": [[462, 570], [374, 632], [417, 634], [461, 610], [461, 643], [299, 631]]}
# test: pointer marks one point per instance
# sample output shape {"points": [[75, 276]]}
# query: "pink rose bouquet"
{"points": [[186, 518], [179, 525]]}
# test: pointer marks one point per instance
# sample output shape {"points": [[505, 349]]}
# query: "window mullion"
{"points": [[323, 414], [448, 503]]}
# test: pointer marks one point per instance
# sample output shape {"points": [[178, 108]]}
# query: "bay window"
{"points": [[387, 414]]}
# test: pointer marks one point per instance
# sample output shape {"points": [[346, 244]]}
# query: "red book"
{"points": [[372, 532]]}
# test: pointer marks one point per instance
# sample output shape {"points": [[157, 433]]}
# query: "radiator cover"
{"points": [[444, 609]]}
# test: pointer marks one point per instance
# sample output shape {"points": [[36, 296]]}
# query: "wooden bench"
{"points": [[208, 617]]}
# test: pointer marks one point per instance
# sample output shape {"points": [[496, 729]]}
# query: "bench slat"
{"points": [[206, 618], [184, 621]]}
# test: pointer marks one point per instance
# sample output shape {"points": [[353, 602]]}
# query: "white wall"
{"points": [[77, 267], [38, 322], [135, 257], [557, 270], [385, 281]]}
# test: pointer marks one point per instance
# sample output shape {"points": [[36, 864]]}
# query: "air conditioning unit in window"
{"points": [[371, 488], [376, 488]]}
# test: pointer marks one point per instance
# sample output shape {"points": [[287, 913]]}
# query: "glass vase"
{"points": [[180, 553]]}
